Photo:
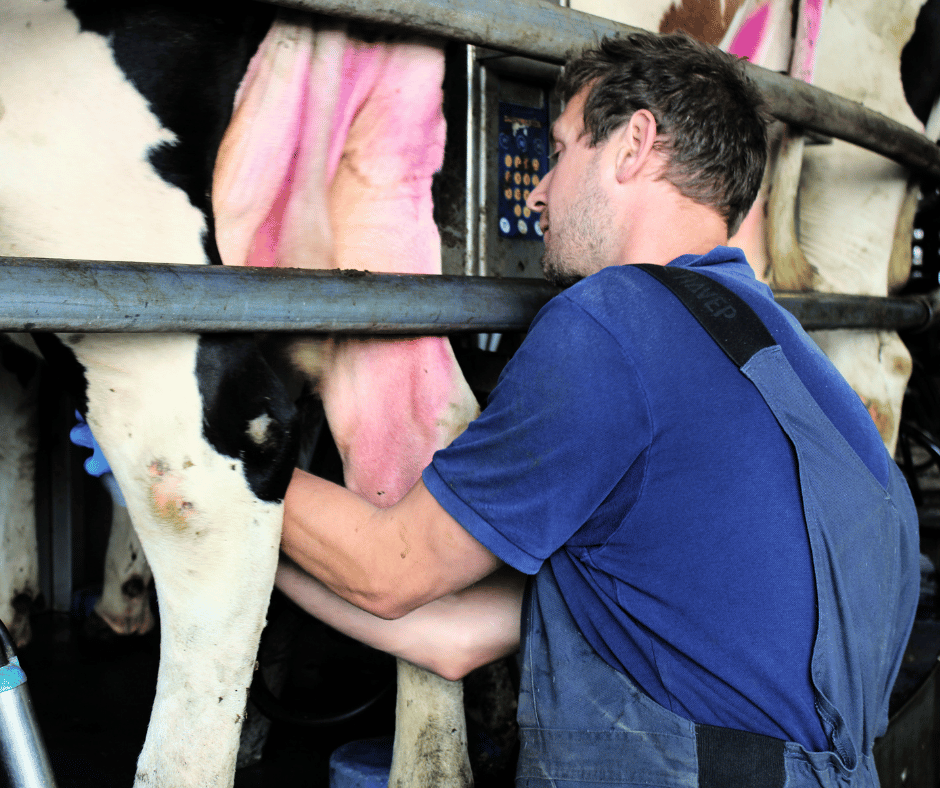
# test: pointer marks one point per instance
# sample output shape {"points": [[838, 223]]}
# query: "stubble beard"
{"points": [[580, 246], [555, 270]]}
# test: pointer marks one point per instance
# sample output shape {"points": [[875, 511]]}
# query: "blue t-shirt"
{"points": [[624, 447]]}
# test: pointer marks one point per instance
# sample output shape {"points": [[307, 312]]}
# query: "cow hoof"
{"points": [[97, 630], [20, 628]]}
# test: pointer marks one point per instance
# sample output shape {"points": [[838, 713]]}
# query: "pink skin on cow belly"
{"points": [[360, 133], [392, 399], [313, 103]]}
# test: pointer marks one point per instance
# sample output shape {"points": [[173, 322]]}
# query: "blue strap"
{"points": [[727, 317]]}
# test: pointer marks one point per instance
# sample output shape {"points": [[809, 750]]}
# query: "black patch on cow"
{"points": [[920, 61], [237, 387], [64, 370], [187, 60], [18, 361]]}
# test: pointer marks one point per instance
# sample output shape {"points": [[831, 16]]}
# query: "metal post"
{"points": [[471, 199], [483, 159], [21, 747]]}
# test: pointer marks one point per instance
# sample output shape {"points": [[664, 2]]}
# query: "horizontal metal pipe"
{"points": [[549, 32], [819, 311], [68, 295], [86, 296]]}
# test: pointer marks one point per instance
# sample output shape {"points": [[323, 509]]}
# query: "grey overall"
{"points": [[583, 723]]}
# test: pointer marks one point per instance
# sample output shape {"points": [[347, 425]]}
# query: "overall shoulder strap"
{"points": [[733, 325]]}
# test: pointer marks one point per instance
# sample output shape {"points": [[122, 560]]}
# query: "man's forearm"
{"points": [[450, 636], [386, 561], [336, 555]]}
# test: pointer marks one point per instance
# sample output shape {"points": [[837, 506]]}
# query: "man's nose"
{"points": [[536, 199]]}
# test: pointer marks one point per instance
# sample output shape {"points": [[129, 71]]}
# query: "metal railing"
{"points": [[94, 296]]}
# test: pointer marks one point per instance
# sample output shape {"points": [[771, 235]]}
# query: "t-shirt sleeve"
{"points": [[566, 421]]}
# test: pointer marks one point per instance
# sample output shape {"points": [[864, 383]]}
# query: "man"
{"points": [[722, 554]]}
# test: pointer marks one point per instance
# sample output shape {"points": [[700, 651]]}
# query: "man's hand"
{"points": [[450, 636]]}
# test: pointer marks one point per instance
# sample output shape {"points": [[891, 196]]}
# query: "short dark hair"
{"points": [[710, 117]]}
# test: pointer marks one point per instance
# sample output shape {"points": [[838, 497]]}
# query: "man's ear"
{"points": [[634, 144]]}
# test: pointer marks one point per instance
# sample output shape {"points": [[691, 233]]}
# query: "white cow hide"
{"points": [[855, 204], [19, 575], [90, 193]]}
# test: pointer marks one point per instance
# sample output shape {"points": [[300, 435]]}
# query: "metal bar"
{"points": [[549, 32], [819, 311], [479, 207], [470, 184], [65, 505], [70, 295], [59, 498]]}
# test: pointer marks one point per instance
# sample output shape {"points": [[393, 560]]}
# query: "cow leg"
{"points": [[19, 578], [430, 732], [384, 447], [199, 435], [788, 269], [411, 398], [434, 406], [370, 136], [850, 199], [124, 604], [899, 267], [877, 364]]}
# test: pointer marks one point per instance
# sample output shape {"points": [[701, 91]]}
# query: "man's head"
{"points": [[578, 225], [711, 129]]}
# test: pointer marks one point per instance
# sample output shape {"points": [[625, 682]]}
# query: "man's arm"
{"points": [[450, 636], [385, 561]]}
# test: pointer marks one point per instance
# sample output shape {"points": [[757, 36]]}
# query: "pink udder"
{"points": [[362, 134]]}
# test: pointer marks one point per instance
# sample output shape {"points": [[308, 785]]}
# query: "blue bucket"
{"points": [[362, 764]]}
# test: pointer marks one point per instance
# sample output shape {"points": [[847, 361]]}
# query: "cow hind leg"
{"points": [[200, 437], [124, 604], [430, 732], [19, 579]]}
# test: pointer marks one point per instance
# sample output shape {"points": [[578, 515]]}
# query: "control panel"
{"points": [[523, 161]]}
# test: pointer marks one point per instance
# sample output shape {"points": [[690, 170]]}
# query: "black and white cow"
{"points": [[179, 132]]}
